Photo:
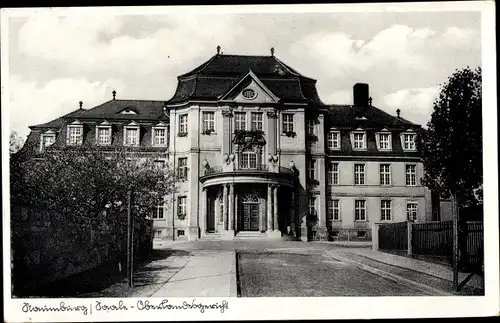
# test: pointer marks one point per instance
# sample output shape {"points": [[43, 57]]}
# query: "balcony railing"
{"points": [[258, 168]]}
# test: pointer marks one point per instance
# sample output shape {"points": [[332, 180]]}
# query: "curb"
{"points": [[396, 278]]}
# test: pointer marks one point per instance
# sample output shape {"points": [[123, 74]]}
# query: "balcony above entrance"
{"points": [[231, 173]]}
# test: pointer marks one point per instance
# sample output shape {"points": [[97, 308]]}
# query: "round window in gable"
{"points": [[249, 94]]}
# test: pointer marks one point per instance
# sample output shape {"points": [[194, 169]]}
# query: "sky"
{"points": [[55, 61]]}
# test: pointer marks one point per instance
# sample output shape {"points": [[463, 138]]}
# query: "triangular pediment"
{"points": [[384, 130], [104, 124], [132, 124], [49, 132], [76, 123], [249, 89], [410, 130], [160, 125]]}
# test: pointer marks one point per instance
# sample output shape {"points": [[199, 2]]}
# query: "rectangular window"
{"points": [[312, 206], [104, 136], [411, 211], [310, 127], [157, 234], [359, 141], [384, 141], [333, 210], [409, 141], [333, 174], [159, 164], [248, 159], [359, 174], [287, 122], [257, 124], [240, 121], [312, 169], [208, 121], [160, 137], [385, 174], [131, 136], [47, 140], [75, 135], [158, 212], [181, 206], [411, 175], [183, 168], [360, 210], [385, 210], [183, 123], [334, 140]]}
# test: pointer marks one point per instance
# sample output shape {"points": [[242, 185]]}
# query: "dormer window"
{"points": [[160, 135], [75, 133], [47, 139], [131, 134], [384, 140], [408, 140], [358, 138], [103, 133], [128, 111], [334, 140]]}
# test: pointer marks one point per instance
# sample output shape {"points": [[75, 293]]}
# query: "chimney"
{"points": [[361, 94]]}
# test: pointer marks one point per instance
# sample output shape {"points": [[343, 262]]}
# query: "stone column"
{"points": [[231, 207], [236, 212], [224, 207], [262, 215], [275, 215], [269, 208], [292, 214], [204, 207]]}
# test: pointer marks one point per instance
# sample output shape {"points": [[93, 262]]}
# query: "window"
{"points": [[333, 210], [385, 174], [183, 124], [359, 174], [360, 210], [312, 206], [104, 135], [257, 121], [158, 212], [385, 210], [312, 169], [287, 122], [157, 234], [159, 164], [409, 141], [181, 206], [131, 136], [411, 211], [411, 175], [180, 233], [384, 141], [333, 174], [75, 135], [248, 159], [361, 234], [310, 127], [359, 140], [159, 137], [46, 141], [183, 168], [240, 121], [334, 140], [208, 121]]}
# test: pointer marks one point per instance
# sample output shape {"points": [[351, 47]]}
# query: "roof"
{"points": [[59, 122], [347, 115], [221, 73]]}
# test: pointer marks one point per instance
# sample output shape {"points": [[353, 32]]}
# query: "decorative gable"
{"points": [[250, 90]]}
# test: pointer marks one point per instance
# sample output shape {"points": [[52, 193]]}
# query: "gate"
{"points": [[393, 236], [432, 239], [472, 250]]}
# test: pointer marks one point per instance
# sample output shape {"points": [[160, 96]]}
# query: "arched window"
{"points": [[250, 198]]}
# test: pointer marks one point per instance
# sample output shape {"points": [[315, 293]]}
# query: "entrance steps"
{"points": [[211, 236], [246, 235]]}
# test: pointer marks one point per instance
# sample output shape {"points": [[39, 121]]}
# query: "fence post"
{"points": [[375, 236], [410, 237]]}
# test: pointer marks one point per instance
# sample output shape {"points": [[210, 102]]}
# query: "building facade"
{"points": [[258, 154]]}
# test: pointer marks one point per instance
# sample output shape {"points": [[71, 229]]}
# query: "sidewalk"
{"points": [[207, 274], [348, 244], [409, 269]]}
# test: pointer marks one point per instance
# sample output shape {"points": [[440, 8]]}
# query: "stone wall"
{"points": [[47, 247]]}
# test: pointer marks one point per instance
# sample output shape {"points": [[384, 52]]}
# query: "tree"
{"points": [[453, 153], [84, 181], [15, 142]]}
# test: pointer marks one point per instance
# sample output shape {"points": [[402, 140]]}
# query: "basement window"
{"points": [[180, 233], [361, 234]]}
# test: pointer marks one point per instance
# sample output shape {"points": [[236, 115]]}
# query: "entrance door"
{"points": [[211, 214], [250, 217]]}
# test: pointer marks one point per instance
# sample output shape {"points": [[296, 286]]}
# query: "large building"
{"points": [[258, 154]]}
